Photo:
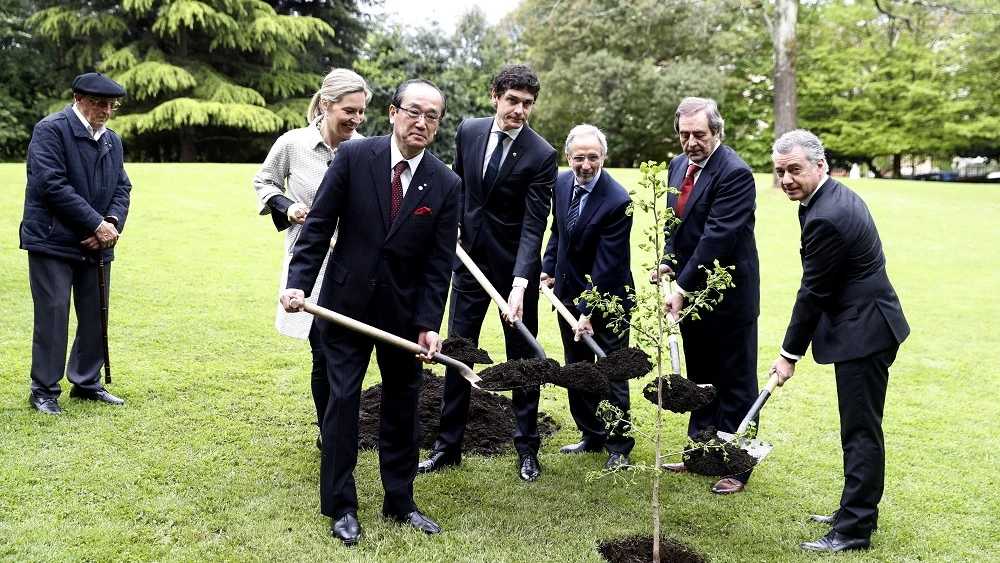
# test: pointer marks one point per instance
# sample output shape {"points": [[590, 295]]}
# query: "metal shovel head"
{"points": [[756, 448]]}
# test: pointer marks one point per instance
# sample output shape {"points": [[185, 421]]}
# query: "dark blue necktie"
{"points": [[494, 166], [574, 209]]}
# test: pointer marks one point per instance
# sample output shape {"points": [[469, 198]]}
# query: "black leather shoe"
{"points": [[347, 529], [101, 395], [835, 542], [530, 469], [828, 520], [418, 520], [437, 461], [47, 405], [581, 446], [618, 461]]}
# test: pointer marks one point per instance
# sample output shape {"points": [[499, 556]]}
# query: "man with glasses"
{"points": [[591, 229], [507, 173], [75, 205], [398, 207]]}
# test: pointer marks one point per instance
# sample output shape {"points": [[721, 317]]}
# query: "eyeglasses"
{"points": [[593, 158], [111, 104], [430, 118]]}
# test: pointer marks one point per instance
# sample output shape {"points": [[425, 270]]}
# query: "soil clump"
{"points": [[514, 374], [625, 363], [582, 376], [714, 462], [489, 432], [680, 394], [640, 550], [464, 350]]}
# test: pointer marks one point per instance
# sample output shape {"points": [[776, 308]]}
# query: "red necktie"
{"points": [[686, 186], [397, 189]]}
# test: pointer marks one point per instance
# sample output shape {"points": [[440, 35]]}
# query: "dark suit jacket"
{"points": [[845, 305], [717, 224], [598, 246], [508, 220], [405, 266]]}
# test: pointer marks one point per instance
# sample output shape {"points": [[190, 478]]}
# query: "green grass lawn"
{"points": [[212, 458]]}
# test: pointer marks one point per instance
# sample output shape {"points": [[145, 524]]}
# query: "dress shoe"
{"points": [[618, 461], [728, 486], [835, 541], [828, 520], [418, 520], [437, 461], [101, 395], [675, 467], [347, 529], [581, 446], [530, 469], [47, 405]]}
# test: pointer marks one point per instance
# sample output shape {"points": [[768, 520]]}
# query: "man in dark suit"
{"points": [[716, 210], [507, 173], [397, 205], [848, 309], [591, 225]]}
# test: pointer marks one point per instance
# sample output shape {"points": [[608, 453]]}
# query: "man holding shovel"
{"points": [[397, 207], [591, 228], [847, 308], [75, 205]]}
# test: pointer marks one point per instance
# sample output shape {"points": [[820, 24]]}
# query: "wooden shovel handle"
{"points": [[566, 314]]}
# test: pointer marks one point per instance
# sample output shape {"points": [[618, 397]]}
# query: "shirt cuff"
{"points": [[790, 357], [679, 289], [521, 282]]}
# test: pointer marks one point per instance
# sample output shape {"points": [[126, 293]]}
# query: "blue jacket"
{"points": [[74, 182]]}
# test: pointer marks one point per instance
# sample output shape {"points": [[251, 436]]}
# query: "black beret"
{"points": [[96, 84]]}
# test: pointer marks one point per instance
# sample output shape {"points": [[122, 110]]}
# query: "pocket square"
{"points": [[423, 211]]}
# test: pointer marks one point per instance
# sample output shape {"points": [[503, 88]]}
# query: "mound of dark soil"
{"points": [[464, 350], [625, 364], [489, 432], [640, 550], [582, 376], [514, 374], [680, 394], [721, 459]]}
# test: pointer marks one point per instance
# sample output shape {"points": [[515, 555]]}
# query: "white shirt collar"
{"points": [[90, 128], [805, 201], [396, 156], [512, 133]]}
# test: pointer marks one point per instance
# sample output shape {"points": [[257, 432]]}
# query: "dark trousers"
{"points": [[469, 305], [583, 404], [347, 356], [319, 382], [53, 281], [726, 357], [861, 389]]}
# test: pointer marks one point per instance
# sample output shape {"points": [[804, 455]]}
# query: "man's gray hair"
{"points": [[586, 129], [809, 142], [691, 106]]}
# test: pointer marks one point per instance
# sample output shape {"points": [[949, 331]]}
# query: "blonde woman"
{"points": [[286, 185]]}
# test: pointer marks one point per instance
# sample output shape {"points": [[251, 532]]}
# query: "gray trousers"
{"points": [[53, 280]]}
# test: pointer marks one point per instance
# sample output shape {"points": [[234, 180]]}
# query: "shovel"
{"points": [[566, 314], [388, 338], [499, 300], [756, 448]]}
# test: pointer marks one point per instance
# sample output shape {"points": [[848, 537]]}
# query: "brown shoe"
{"points": [[675, 467], [728, 486]]}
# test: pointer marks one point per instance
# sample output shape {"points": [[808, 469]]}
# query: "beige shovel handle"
{"points": [[388, 338], [483, 281], [587, 339]]}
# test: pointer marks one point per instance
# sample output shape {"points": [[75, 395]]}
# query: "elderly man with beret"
{"points": [[75, 205]]}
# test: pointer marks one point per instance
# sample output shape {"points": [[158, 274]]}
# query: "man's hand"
{"points": [[673, 304], [582, 326], [516, 303], [292, 293], [664, 272], [105, 236], [546, 280], [784, 368], [430, 340], [297, 213]]}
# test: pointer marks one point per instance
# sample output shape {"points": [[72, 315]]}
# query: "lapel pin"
{"points": [[513, 154]]}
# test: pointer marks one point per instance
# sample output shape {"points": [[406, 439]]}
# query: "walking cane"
{"points": [[103, 290]]}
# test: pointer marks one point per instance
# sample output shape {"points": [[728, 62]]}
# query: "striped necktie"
{"points": [[574, 208]]}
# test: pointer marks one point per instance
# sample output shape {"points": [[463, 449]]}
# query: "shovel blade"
{"points": [[756, 448]]}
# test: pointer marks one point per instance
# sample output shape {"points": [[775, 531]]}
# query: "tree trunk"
{"points": [[189, 152], [897, 166], [874, 169], [786, 104]]}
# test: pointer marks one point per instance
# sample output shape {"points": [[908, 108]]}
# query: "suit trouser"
{"points": [[583, 404], [318, 379], [469, 305], [347, 357], [53, 281], [861, 389], [726, 357]]}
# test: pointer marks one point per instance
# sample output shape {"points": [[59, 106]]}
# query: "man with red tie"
{"points": [[716, 210]]}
